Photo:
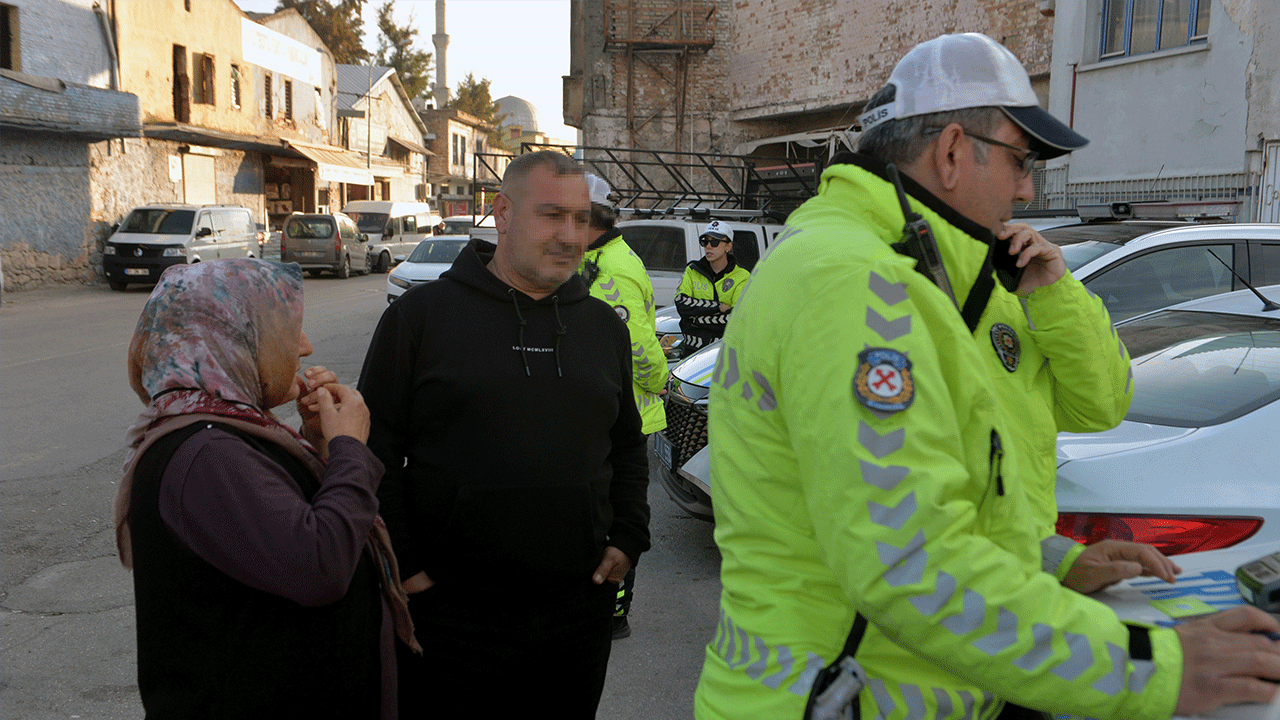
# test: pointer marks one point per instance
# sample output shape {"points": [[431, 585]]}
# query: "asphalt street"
{"points": [[66, 606]]}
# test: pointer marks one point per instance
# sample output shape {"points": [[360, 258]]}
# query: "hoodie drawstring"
{"points": [[521, 322], [560, 330]]}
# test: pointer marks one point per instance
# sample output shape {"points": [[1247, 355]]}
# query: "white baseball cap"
{"points": [[599, 190], [717, 227], [969, 70]]}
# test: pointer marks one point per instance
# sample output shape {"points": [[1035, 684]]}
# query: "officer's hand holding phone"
{"points": [[1021, 250]]}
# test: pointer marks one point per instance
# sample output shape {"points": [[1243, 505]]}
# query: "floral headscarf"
{"points": [[211, 326]]}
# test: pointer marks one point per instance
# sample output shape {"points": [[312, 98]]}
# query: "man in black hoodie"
{"points": [[515, 492]]}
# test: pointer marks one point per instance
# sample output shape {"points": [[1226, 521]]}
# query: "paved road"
{"points": [[66, 606]]}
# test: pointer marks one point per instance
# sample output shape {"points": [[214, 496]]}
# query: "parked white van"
{"points": [[153, 237], [394, 228]]}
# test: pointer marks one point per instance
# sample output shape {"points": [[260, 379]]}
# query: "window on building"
{"points": [[455, 150], [181, 85], [1136, 27], [202, 83], [10, 48], [235, 86], [288, 99], [268, 109], [462, 149]]}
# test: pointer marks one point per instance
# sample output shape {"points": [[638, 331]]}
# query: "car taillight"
{"points": [[1171, 534]]}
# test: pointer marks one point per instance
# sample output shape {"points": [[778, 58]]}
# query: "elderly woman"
{"points": [[260, 565]]}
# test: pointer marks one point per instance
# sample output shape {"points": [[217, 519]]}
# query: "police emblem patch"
{"points": [[1008, 347], [724, 286], [883, 380], [622, 312]]}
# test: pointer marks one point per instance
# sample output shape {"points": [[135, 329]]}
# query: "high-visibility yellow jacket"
{"points": [[699, 296], [620, 280], [862, 459]]}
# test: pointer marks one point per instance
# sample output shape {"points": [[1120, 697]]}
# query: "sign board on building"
{"points": [[272, 51]]}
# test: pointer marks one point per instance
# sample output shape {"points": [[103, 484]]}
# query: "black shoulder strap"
{"points": [[979, 295]]}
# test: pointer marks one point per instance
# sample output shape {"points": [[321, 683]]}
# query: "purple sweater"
{"points": [[242, 513]]}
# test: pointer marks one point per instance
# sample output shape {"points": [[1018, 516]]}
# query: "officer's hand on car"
{"points": [[1041, 260], [1106, 563], [613, 567], [1224, 660]]}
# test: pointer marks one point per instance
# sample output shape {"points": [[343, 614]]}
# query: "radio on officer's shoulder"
{"points": [[1259, 582]]}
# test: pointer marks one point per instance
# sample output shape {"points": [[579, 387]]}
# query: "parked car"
{"points": [[325, 242], [394, 228], [153, 237], [1136, 266], [684, 464], [424, 264], [461, 224], [1194, 466]]}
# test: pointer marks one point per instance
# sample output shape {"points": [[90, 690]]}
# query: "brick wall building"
{"points": [[710, 75]]}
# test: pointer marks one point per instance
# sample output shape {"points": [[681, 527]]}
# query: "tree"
{"points": [[472, 98], [395, 49], [338, 25]]}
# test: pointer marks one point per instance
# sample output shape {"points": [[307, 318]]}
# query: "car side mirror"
{"points": [[114, 227], [204, 232], [399, 258]]}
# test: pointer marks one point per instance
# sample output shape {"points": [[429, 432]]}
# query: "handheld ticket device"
{"points": [[1259, 582]]}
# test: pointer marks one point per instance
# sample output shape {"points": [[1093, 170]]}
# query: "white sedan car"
{"points": [[427, 261], [1193, 466]]}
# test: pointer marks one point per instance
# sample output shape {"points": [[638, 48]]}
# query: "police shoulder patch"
{"points": [[1008, 348], [728, 283], [883, 380], [622, 312]]}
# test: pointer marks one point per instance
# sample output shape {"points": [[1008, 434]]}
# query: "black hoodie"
{"points": [[508, 428]]}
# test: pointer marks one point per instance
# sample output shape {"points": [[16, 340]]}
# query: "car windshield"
{"points": [[1083, 242], [303, 228], [159, 222], [437, 251], [369, 222], [457, 227], [1194, 369]]}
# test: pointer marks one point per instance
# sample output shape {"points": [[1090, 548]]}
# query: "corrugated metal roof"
{"points": [[353, 83]]}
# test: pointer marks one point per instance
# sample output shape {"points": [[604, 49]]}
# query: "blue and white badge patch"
{"points": [[622, 312], [883, 380], [1008, 347], [724, 286]]}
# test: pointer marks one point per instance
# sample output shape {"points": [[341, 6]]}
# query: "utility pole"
{"points": [[368, 130]]}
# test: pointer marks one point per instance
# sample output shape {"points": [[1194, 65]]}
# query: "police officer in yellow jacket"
{"points": [[710, 288], [617, 276], [866, 465]]}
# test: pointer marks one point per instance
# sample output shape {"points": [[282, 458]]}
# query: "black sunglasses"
{"points": [[712, 240], [1026, 161]]}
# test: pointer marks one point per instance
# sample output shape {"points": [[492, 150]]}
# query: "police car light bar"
{"points": [[1159, 210]]}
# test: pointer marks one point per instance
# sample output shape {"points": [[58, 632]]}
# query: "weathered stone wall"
{"points": [[821, 54], [775, 67], [44, 180], [47, 30]]}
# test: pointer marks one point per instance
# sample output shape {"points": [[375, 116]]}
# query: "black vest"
{"points": [[211, 647]]}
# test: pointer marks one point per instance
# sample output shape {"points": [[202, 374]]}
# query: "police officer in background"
{"points": [[616, 275], [709, 289], [862, 466]]}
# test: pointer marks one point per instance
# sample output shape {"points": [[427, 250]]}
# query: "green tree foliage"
{"points": [[338, 23], [472, 97], [395, 49]]}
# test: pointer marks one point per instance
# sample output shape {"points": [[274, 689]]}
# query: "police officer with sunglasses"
{"points": [[709, 289]]}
